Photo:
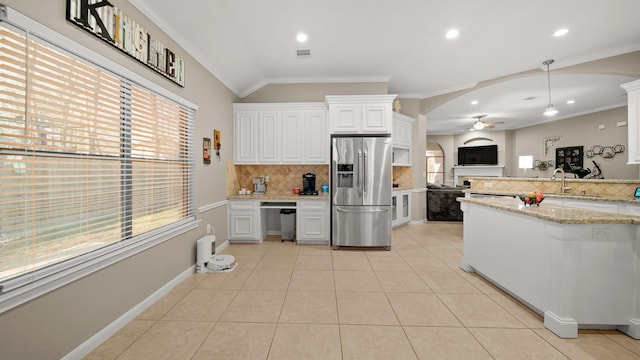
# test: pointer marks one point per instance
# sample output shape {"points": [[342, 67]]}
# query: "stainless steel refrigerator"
{"points": [[361, 191]]}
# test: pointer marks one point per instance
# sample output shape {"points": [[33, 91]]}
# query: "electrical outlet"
{"points": [[208, 228], [266, 178]]}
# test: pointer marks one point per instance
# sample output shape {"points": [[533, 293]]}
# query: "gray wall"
{"points": [[53, 325], [577, 131]]}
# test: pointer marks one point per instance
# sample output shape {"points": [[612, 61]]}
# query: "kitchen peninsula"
{"points": [[578, 268]]}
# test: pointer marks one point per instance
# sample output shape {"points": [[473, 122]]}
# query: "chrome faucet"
{"points": [[563, 188]]}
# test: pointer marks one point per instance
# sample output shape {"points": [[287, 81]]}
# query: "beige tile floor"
{"points": [[288, 301]]}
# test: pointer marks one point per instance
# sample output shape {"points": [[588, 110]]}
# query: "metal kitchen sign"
{"points": [[109, 23]]}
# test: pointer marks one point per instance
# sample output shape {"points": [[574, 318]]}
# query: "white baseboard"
{"points": [[418, 222], [222, 246], [86, 347]]}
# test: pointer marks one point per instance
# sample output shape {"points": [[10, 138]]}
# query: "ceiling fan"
{"points": [[480, 124]]}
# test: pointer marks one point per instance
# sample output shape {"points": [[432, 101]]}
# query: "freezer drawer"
{"points": [[362, 226]]}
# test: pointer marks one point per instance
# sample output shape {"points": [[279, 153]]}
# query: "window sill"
{"points": [[21, 290]]}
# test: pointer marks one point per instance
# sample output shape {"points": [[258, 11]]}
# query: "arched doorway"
{"points": [[435, 163]]}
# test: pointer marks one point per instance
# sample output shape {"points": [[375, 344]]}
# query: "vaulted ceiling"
{"points": [[250, 43]]}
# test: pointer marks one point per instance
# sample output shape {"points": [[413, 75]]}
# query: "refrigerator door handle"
{"points": [[359, 175], [362, 211], [364, 177]]}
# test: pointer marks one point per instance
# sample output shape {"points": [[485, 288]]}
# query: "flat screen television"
{"points": [[478, 155]]}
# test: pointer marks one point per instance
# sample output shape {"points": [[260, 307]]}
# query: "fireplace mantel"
{"points": [[477, 170]]}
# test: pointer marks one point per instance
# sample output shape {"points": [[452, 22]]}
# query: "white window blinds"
{"points": [[88, 159]]}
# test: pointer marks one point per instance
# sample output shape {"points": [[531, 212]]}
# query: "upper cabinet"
{"points": [[360, 114], [281, 133], [245, 129], [633, 105], [401, 137]]}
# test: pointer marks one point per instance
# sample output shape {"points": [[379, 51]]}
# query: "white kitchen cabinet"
{"points": [[316, 137], [633, 121], [245, 221], [281, 133], [292, 136], [401, 134], [244, 137], [312, 222], [356, 114], [269, 137], [401, 137], [400, 208]]}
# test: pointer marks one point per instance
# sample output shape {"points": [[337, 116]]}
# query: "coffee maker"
{"points": [[309, 184], [259, 185]]}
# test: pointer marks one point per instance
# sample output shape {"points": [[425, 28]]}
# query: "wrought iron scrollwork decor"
{"points": [[606, 152]]}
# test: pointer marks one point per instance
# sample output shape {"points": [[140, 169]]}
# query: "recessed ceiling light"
{"points": [[452, 34], [302, 37], [560, 32], [474, 102], [571, 101]]}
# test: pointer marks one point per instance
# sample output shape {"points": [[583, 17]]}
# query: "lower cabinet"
{"points": [[400, 208], [245, 221], [312, 222], [248, 221]]}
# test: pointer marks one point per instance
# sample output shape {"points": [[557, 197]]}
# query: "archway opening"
{"points": [[435, 163]]}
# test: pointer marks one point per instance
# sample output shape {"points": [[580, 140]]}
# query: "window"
{"points": [[90, 161], [435, 163]]}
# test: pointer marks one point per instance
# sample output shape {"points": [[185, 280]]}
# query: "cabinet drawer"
{"points": [[312, 205], [244, 205]]}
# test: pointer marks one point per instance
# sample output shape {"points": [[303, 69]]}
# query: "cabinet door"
{"points": [[345, 118], [312, 221], [633, 109], [293, 128], [269, 137], [316, 137], [404, 134], [376, 118], [244, 130], [244, 220], [406, 207], [395, 133], [394, 208]]}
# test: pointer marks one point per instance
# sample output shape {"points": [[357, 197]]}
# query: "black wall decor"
{"points": [[573, 155]]}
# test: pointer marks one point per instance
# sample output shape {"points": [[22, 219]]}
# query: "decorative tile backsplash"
{"points": [[403, 176], [282, 178], [593, 187]]}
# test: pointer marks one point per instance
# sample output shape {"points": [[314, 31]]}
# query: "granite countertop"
{"points": [[401, 188], [587, 197], [555, 213], [278, 197], [578, 180]]}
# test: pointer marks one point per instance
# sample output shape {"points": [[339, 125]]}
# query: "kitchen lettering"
{"points": [[116, 28]]}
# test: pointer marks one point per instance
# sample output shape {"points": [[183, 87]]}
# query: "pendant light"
{"points": [[551, 110]]}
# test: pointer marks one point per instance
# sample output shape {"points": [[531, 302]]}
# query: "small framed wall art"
{"points": [[206, 150]]}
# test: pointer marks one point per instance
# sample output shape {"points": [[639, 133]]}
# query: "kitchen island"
{"points": [[578, 268]]}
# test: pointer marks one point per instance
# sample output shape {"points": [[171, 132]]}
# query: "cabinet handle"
{"points": [[363, 211]]}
